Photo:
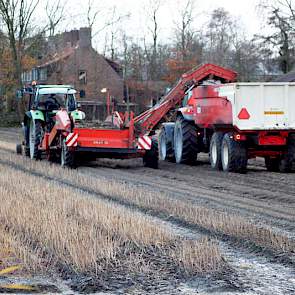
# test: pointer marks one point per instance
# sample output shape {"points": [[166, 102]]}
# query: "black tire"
{"points": [[67, 158], [272, 164], [19, 149], [185, 142], [151, 157], [35, 139], [233, 155], [27, 141], [27, 151], [286, 162], [215, 150]]}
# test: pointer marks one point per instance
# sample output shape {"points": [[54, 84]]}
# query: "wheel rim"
{"points": [[214, 153], [225, 155], [32, 139], [178, 144], [163, 147]]}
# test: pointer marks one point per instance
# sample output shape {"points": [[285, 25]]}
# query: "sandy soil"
{"points": [[265, 198]]}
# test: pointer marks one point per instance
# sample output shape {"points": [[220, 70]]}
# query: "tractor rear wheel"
{"points": [[185, 142], [35, 139], [151, 157], [286, 162], [215, 150], [272, 164], [67, 158], [233, 155]]}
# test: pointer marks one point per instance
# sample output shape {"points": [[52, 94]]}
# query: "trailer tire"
{"points": [[35, 139], [67, 158], [151, 157], [233, 155], [185, 142], [215, 150], [286, 162], [272, 164]]}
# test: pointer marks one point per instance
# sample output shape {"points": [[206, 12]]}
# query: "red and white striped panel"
{"points": [[144, 143], [72, 139]]}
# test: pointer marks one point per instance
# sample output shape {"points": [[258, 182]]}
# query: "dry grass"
{"points": [[72, 231], [218, 222]]}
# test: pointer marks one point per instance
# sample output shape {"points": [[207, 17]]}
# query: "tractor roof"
{"points": [[55, 89]]}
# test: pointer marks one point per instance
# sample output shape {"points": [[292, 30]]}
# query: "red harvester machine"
{"points": [[131, 137]]}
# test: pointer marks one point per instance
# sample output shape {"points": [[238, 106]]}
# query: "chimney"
{"points": [[85, 37]]}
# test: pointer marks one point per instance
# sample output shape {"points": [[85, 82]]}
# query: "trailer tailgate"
{"points": [[261, 106]]}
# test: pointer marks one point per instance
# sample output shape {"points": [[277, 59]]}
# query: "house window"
{"points": [[43, 74], [82, 77], [82, 93]]}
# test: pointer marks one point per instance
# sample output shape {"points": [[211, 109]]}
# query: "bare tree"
{"points": [[184, 32], [152, 11], [222, 29], [281, 18], [92, 17], [55, 14], [17, 16]]}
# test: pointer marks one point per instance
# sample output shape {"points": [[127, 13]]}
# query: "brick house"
{"points": [[69, 58]]}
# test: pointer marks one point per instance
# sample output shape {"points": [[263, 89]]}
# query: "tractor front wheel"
{"points": [[35, 139], [67, 156]]}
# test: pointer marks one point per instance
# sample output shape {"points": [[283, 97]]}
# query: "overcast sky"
{"points": [[136, 24]]}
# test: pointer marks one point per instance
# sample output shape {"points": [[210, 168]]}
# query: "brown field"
{"points": [[116, 226]]}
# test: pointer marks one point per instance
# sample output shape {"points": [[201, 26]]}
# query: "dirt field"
{"points": [[249, 217]]}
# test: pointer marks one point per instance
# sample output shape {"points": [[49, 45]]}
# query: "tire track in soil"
{"points": [[264, 215], [252, 274], [263, 276]]}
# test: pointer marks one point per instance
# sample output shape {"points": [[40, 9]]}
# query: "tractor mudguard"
{"points": [[186, 113], [77, 115], [36, 115]]}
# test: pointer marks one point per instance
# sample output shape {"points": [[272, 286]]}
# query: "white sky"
{"points": [[136, 24]]}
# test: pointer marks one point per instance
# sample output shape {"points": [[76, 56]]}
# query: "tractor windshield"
{"points": [[55, 101]]}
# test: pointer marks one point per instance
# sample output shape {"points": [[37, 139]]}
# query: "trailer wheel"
{"points": [[151, 157], [286, 162], [233, 155], [272, 164], [35, 138], [67, 158], [185, 142], [215, 150]]}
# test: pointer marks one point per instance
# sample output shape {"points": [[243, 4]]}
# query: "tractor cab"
{"points": [[47, 107]]}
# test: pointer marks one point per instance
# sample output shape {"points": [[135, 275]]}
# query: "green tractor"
{"points": [[50, 115]]}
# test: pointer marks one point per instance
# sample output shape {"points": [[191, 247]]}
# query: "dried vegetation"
{"points": [[221, 223], [53, 226]]}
